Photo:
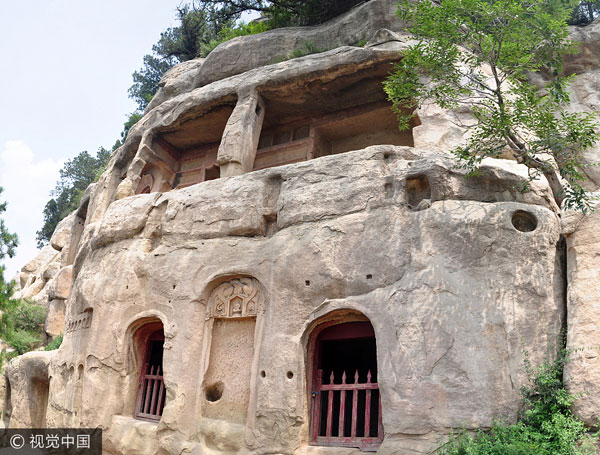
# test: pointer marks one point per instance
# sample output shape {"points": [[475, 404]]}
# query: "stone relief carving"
{"points": [[83, 321], [236, 298]]}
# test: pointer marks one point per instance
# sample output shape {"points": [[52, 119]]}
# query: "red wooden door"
{"points": [[151, 388], [346, 403]]}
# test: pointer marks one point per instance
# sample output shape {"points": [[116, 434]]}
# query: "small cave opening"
{"points": [[212, 173], [417, 190], [214, 392], [524, 221]]}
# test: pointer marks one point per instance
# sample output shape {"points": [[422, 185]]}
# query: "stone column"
{"points": [[242, 132]]}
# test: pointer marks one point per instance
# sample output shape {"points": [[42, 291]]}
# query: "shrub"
{"points": [[22, 325], [54, 344], [545, 427], [307, 48]]}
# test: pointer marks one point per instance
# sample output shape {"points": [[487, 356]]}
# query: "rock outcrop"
{"points": [[261, 210]]}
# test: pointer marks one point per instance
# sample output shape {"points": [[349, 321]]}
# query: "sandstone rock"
{"points": [[585, 97], [27, 402], [588, 57], [383, 36], [178, 80], [457, 346], [55, 321], [130, 436], [62, 233], [33, 287], [125, 189], [36, 273], [61, 287], [51, 271], [236, 275], [2, 395], [583, 276], [243, 54], [46, 255]]}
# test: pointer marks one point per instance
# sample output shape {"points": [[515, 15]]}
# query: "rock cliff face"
{"points": [[262, 221]]}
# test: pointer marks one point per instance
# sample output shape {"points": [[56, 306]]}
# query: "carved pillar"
{"points": [[242, 132]]}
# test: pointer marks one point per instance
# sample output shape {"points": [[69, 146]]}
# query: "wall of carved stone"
{"points": [[450, 287]]}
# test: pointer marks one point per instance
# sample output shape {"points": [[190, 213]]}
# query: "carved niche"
{"points": [[236, 298], [81, 322], [146, 184]]}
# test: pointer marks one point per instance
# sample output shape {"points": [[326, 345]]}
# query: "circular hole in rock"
{"points": [[524, 221], [263, 374], [214, 392], [290, 375]]}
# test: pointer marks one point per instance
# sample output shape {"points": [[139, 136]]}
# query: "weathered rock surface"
{"points": [[55, 320], [61, 286], [62, 233], [448, 270], [343, 225], [177, 80], [245, 53], [583, 309], [588, 57], [27, 400]]}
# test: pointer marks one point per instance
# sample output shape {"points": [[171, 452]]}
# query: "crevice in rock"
{"points": [[561, 252], [270, 204]]}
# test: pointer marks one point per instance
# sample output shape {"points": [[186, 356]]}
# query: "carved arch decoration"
{"points": [[239, 297], [146, 184]]}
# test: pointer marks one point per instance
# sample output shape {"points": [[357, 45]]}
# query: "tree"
{"points": [[284, 13], [8, 244], [204, 24], [145, 81], [8, 241], [75, 176], [199, 24], [198, 27], [585, 12], [479, 54], [21, 322]]}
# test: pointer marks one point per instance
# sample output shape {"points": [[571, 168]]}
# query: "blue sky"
{"points": [[64, 72]]}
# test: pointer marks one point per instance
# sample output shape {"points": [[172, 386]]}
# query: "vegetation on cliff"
{"points": [[478, 55], [8, 243], [75, 176], [546, 425], [204, 24], [21, 322]]}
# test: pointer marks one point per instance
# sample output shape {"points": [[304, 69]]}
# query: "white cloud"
{"points": [[27, 182]]}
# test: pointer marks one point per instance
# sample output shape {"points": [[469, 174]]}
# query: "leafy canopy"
{"points": [[585, 12], [204, 24], [75, 176], [21, 323], [284, 13], [479, 54]]}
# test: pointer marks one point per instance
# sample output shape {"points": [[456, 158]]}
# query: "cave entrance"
{"points": [[345, 393]]}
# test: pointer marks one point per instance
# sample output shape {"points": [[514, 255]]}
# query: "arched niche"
{"points": [[342, 378], [146, 392], [154, 178], [235, 311]]}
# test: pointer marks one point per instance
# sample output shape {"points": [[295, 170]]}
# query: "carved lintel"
{"points": [[236, 298]]}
